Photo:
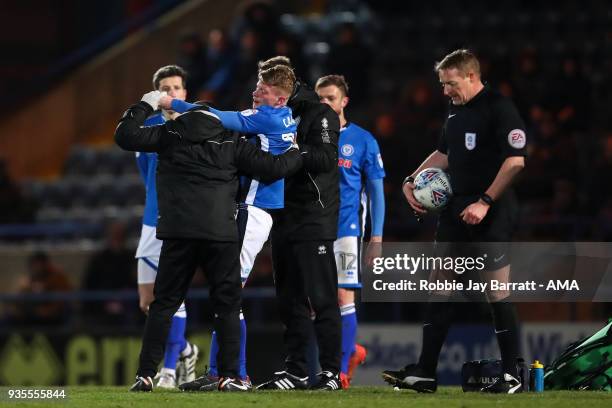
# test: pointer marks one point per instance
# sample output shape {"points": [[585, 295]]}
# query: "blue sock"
{"points": [[242, 371], [212, 361], [175, 342], [214, 349], [349, 334]]}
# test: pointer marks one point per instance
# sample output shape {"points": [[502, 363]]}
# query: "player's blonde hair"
{"points": [[279, 76], [273, 62], [463, 60]]}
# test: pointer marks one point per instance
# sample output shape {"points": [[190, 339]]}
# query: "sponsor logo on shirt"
{"points": [[249, 112], [470, 140], [347, 149], [517, 138], [346, 163]]}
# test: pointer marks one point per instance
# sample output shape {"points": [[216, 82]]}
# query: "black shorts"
{"points": [[489, 238]]}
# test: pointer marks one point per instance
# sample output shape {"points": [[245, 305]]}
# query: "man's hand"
{"points": [[165, 102], [152, 98], [374, 250], [474, 213], [408, 189]]}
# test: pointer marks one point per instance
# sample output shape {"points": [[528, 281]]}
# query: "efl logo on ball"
{"points": [[432, 189]]}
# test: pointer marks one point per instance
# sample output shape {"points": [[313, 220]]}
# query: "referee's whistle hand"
{"points": [[474, 213], [407, 189]]}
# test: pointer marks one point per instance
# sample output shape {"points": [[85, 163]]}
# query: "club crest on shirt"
{"points": [[470, 140], [517, 138], [347, 149]]}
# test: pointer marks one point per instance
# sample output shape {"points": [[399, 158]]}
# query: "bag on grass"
{"points": [[479, 373], [584, 365]]}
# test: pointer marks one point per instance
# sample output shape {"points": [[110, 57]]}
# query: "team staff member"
{"points": [[360, 163], [197, 182], [170, 79], [482, 147], [303, 236], [271, 123]]}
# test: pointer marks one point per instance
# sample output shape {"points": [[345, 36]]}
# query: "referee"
{"points": [[482, 147]]}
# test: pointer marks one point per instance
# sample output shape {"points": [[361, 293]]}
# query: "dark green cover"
{"points": [[584, 365]]}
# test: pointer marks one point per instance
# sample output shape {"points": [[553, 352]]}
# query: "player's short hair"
{"points": [[463, 60], [336, 80], [279, 76], [273, 62], [169, 71]]}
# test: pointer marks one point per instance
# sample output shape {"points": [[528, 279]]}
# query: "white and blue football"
{"points": [[432, 189]]}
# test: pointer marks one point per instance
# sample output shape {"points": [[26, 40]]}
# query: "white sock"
{"points": [[187, 350], [170, 371]]}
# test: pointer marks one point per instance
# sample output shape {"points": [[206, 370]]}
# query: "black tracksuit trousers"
{"points": [[306, 282], [178, 261]]}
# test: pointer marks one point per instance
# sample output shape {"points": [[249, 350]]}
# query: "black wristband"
{"points": [[487, 199], [408, 179]]}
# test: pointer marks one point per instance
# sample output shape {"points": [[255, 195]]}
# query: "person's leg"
{"points": [[347, 255], [506, 322], [254, 225], [175, 343], [146, 273], [220, 262], [438, 317], [176, 268], [348, 313], [294, 308], [295, 314], [317, 265]]}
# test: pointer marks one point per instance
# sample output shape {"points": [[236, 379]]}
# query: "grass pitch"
{"points": [[356, 397]]}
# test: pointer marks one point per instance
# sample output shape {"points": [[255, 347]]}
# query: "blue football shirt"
{"points": [[147, 166], [358, 159]]}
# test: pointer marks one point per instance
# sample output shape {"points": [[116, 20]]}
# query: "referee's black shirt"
{"points": [[477, 137]]}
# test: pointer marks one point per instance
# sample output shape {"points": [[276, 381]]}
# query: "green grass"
{"points": [[370, 397]]}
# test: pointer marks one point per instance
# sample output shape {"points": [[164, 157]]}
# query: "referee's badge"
{"points": [[517, 138], [470, 140]]}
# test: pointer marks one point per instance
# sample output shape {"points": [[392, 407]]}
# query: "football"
{"points": [[432, 189]]}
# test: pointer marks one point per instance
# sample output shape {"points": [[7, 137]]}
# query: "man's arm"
{"points": [[320, 145], [246, 121], [475, 212], [436, 159], [377, 217], [130, 135], [377, 206], [265, 166], [512, 141]]}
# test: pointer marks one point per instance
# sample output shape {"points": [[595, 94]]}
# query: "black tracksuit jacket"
{"points": [[197, 170], [312, 195]]}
